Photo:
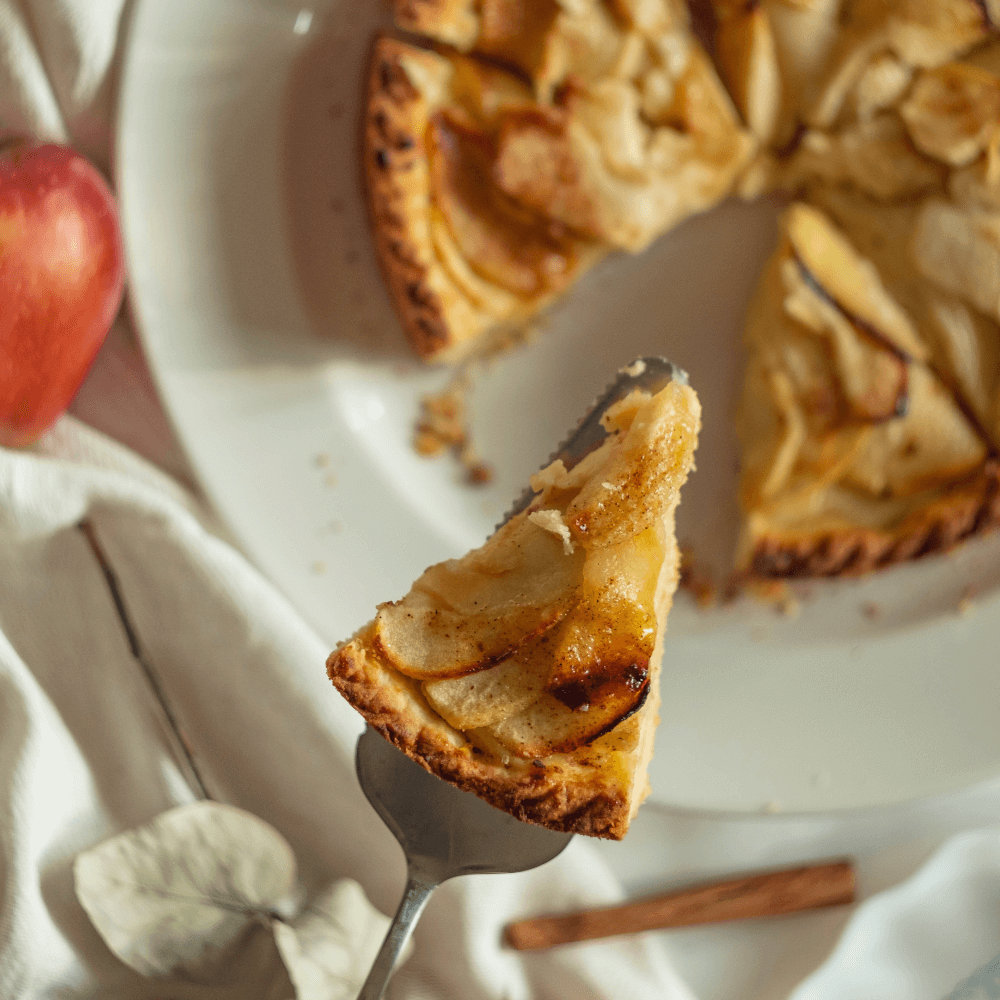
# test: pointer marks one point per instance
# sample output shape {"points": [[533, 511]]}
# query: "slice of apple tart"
{"points": [[461, 258], [870, 419], [527, 671]]}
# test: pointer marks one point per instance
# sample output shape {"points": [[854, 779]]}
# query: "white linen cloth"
{"points": [[83, 751]]}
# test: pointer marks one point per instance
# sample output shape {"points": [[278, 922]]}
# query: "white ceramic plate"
{"points": [[290, 385]]}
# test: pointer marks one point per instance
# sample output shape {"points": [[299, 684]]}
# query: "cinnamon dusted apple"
{"points": [[528, 671], [569, 129]]}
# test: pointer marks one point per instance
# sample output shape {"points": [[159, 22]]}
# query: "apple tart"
{"points": [[535, 138], [527, 671]]}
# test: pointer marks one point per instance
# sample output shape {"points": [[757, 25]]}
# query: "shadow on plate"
{"points": [[326, 221]]}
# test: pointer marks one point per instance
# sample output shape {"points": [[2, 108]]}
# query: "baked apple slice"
{"points": [[528, 670], [461, 258], [793, 65], [469, 614]]}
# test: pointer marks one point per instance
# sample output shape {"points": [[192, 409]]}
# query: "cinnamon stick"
{"points": [[766, 895]]}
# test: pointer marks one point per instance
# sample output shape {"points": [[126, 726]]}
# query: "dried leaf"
{"points": [[329, 948], [173, 897]]}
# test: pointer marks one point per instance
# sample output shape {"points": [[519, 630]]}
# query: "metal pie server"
{"points": [[443, 830]]}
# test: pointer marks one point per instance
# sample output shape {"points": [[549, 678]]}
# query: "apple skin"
{"points": [[62, 273]]}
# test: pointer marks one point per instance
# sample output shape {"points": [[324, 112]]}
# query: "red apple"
{"points": [[62, 271]]}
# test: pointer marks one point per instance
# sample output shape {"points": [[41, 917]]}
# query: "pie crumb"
{"points": [[635, 369], [441, 423], [777, 593], [479, 473], [789, 606], [551, 520], [443, 426]]}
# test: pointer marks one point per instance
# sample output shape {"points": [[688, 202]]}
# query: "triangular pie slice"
{"points": [[570, 129], [857, 451], [528, 671]]}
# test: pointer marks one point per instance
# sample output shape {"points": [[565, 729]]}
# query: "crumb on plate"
{"points": [[443, 426]]}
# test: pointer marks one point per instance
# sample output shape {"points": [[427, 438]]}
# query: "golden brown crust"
{"points": [[969, 508], [562, 796], [395, 175]]}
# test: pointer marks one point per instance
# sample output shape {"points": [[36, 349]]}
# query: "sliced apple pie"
{"points": [[528, 670], [568, 129], [870, 418]]}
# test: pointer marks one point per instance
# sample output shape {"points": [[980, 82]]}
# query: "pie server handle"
{"points": [[419, 886]]}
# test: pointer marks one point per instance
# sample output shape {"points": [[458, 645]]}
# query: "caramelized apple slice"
{"points": [[746, 52], [872, 376], [952, 112], [834, 291], [552, 725], [504, 242], [934, 444], [958, 250], [489, 696], [467, 615], [602, 647], [611, 629], [850, 281], [597, 165]]}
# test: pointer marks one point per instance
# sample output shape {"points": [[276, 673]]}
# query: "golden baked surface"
{"points": [[870, 418], [567, 130], [528, 671]]}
